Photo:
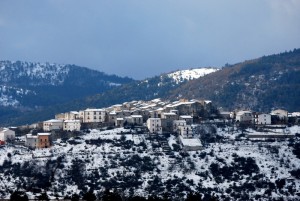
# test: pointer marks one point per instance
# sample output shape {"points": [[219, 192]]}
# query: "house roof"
{"points": [[72, 121], [54, 121], [39, 134], [169, 114], [184, 103], [190, 142], [186, 117], [94, 110], [137, 116], [31, 136], [243, 112]]}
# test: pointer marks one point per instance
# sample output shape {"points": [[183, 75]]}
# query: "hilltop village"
{"points": [[156, 117]]}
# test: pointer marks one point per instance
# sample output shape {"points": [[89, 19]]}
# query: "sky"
{"points": [[143, 38]]}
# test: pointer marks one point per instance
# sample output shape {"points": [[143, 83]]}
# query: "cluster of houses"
{"points": [[249, 117], [156, 115], [39, 140], [137, 113]]}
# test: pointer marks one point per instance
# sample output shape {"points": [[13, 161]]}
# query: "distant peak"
{"points": [[190, 74]]}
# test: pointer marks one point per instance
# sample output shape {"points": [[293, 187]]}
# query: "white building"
{"points": [[244, 116], [53, 124], [137, 119], [72, 125], [186, 131], [262, 119], [282, 114], [191, 144], [154, 125], [6, 134], [41, 140], [177, 124], [94, 115], [31, 141], [169, 115], [71, 115], [188, 119], [119, 122]]}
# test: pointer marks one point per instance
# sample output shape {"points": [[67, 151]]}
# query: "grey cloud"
{"points": [[145, 38]]}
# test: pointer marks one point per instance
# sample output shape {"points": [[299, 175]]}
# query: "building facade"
{"points": [[154, 125]]}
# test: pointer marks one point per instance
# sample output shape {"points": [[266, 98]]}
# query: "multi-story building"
{"points": [[41, 140], [72, 125], [53, 124], [134, 120], [244, 117], [6, 134], [262, 119], [154, 125], [94, 115], [186, 131], [187, 118]]}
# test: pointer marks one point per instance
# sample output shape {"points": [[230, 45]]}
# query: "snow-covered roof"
{"points": [[294, 114], [156, 100], [31, 136], [243, 112], [74, 112], [53, 121], [72, 121], [39, 134], [184, 103], [179, 121], [186, 117], [207, 101], [94, 110], [137, 116], [191, 142], [169, 114]]}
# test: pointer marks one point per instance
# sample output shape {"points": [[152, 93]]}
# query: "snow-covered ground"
{"points": [[109, 159]]}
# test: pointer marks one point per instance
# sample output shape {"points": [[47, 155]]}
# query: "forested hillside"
{"points": [[260, 84]]}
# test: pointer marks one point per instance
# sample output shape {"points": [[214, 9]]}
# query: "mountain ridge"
{"points": [[259, 84], [23, 83], [147, 89]]}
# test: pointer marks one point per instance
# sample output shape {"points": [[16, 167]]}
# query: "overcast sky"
{"points": [[142, 38]]}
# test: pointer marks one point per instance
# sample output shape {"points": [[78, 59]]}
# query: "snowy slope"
{"points": [[36, 73], [29, 85], [182, 75], [105, 160]]}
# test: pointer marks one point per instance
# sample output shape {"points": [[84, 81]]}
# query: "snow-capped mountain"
{"points": [[183, 75], [33, 73], [259, 84], [27, 85]]}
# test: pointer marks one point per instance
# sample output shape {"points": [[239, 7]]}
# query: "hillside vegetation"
{"points": [[260, 84]]}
